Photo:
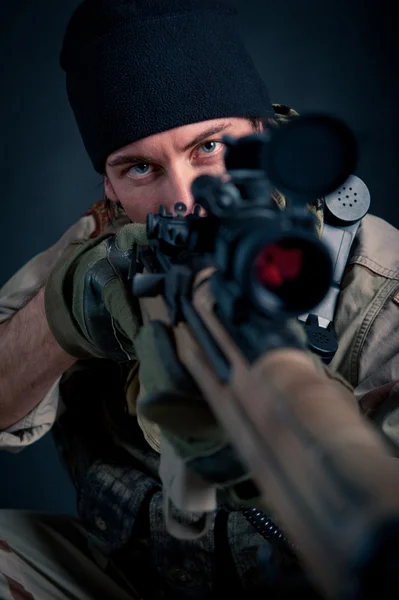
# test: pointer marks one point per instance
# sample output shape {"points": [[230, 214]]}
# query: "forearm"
{"points": [[30, 361]]}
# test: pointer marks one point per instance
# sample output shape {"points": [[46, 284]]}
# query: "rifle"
{"points": [[221, 281]]}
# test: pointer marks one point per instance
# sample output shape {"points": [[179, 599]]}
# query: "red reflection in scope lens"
{"points": [[276, 265]]}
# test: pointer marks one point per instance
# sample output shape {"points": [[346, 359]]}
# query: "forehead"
{"points": [[178, 139]]}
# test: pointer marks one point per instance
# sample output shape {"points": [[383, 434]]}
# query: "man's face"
{"points": [[161, 168]]}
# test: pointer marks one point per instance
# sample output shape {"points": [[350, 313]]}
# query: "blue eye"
{"points": [[210, 147], [138, 170]]}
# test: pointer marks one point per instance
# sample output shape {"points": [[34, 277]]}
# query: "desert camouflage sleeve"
{"points": [[17, 292]]}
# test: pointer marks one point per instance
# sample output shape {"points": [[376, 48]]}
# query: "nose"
{"points": [[179, 189]]}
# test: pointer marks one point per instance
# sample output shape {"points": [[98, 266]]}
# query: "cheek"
{"points": [[138, 203]]}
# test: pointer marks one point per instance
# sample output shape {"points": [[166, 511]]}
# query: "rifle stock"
{"points": [[324, 473], [223, 283]]}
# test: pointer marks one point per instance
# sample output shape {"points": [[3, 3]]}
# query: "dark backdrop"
{"points": [[335, 56]]}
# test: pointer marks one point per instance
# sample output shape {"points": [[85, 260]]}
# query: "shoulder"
{"points": [[367, 315], [376, 247]]}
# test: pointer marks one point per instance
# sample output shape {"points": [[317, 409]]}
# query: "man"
{"points": [[154, 86]]}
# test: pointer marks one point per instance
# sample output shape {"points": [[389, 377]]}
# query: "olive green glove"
{"points": [[89, 306], [173, 401]]}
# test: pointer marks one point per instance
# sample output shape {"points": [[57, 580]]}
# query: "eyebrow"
{"points": [[123, 158], [205, 134]]}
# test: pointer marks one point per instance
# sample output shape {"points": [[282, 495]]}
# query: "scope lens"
{"points": [[276, 265], [290, 275]]}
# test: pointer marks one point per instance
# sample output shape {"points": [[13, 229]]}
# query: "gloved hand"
{"points": [[89, 306], [173, 401]]}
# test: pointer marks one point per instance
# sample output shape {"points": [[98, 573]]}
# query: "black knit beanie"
{"points": [[139, 67]]}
